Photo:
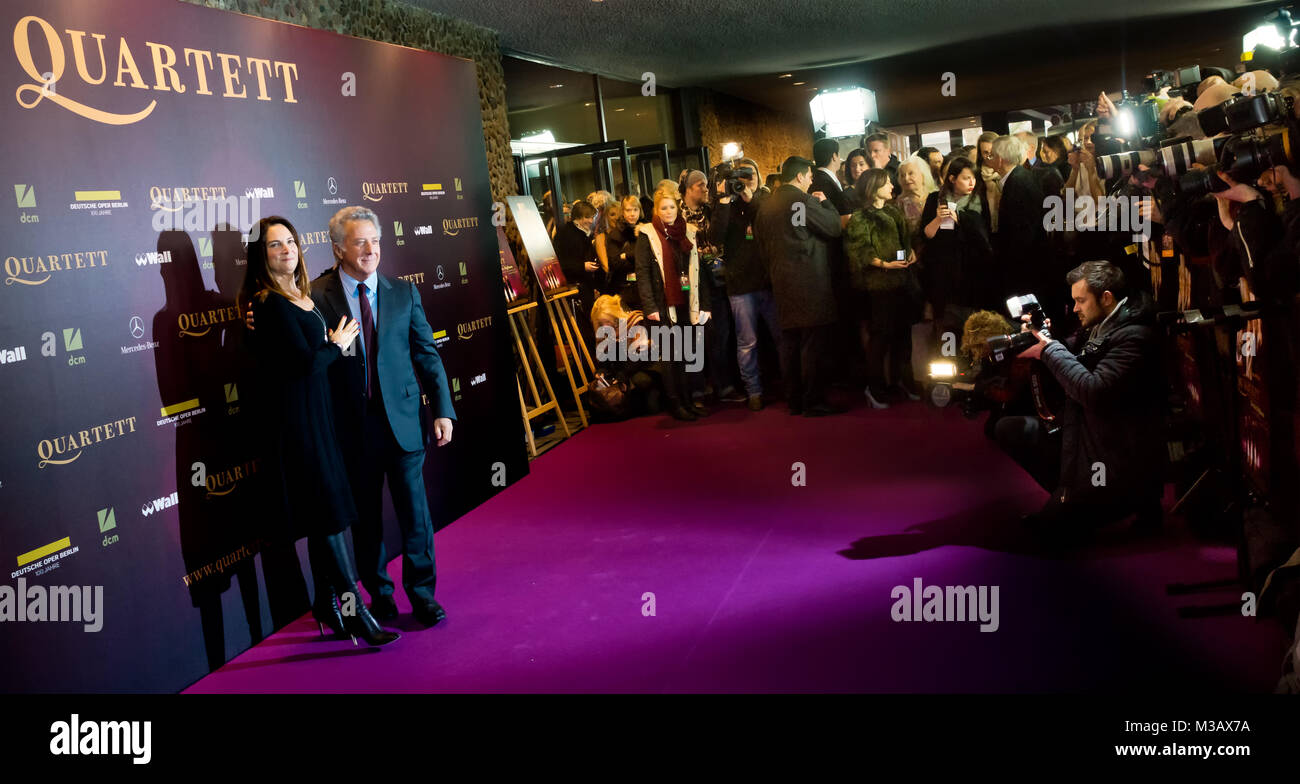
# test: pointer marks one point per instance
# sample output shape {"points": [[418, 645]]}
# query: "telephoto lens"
{"points": [[1124, 163], [1198, 182]]}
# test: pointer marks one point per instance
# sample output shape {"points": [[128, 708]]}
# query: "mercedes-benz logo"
{"points": [[440, 274], [333, 186], [137, 327]]}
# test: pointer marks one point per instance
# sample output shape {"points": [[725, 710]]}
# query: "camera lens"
{"points": [[1124, 163]]}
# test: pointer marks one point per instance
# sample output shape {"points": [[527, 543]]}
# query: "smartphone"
{"points": [[949, 223]]}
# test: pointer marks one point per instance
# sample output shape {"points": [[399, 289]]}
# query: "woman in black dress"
{"points": [[307, 483]]}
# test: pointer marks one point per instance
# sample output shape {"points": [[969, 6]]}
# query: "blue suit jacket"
{"points": [[405, 348]]}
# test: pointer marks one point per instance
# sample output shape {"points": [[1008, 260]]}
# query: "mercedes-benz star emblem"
{"points": [[440, 275], [333, 186], [137, 327]]}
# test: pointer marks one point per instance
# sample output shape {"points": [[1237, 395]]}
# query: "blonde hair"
{"points": [[928, 185]]}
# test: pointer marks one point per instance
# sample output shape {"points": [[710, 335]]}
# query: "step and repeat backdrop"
{"points": [[142, 138]]}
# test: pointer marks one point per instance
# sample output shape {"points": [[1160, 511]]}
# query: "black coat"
{"points": [[650, 277], [797, 256], [956, 265], [1113, 416], [746, 271], [1048, 177], [1021, 237], [834, 192], [573, 249]]}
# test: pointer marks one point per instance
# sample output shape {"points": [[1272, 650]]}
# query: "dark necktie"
{"points": [[370, 337]]}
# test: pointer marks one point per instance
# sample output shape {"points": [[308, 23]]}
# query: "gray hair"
{"points": [[1009, 149], [339, 223]]}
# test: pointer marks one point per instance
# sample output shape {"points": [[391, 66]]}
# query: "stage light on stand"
{"points": [[843, 111], [732, 151]]}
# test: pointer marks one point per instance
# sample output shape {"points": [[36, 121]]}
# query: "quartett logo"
{"points": [[376, 191], [64, 449], [201, 322], [219, 483], [36, 270], [174, 198], [466, 330], [452, 226], [166, 71]]}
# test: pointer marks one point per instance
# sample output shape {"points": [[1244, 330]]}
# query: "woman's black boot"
{"points": [[357, 620]]}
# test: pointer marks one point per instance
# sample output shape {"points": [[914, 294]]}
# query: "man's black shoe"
{"points": [[429, 614], [822, 409], [384, 607]]}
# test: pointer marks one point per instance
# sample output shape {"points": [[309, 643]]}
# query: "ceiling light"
{"points": [[589, 103], [796, 84], [556, 85], [538, 136], [620, 110], [785, 76]]}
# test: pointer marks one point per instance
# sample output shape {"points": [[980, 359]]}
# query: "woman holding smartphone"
{"points": [[879, 250], [958, 275], [303, 471]]}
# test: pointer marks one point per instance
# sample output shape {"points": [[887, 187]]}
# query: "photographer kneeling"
{"points": [[1111, 445]]}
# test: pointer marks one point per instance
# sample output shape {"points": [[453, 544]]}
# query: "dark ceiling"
{"points": [[1005, 54]]}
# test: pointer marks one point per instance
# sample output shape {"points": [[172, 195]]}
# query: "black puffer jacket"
{"points": [[1112, 448]]}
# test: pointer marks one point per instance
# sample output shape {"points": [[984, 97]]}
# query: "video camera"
{"points": [[730, 178]]}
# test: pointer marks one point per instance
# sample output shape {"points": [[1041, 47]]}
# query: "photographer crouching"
{"points": [[1110, 444]]}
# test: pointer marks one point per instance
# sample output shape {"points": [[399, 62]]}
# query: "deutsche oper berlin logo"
{"points": [[137, 327]]}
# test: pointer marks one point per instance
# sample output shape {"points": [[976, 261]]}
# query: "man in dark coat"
{"points": [[793, 230], [1021, 238], [1112, 449]]}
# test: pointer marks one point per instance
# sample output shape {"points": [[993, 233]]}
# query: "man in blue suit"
{"points": [[377, 410]]}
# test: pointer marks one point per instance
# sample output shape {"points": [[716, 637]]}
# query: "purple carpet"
{"points": [[762, 586]]}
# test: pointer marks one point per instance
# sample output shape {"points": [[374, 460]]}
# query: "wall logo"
{"points": [[159, 504], [466, 330], [479, 379], [423, 230], [259, 193], [11, 355], [36, 270], [452, 226], [65, 449], [26, 196], [376, 191], [153, 258], [180, 413], [200, 323], [71, 342]]}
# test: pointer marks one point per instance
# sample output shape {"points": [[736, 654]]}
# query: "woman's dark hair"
{"points": [[954, 169], [848, 168], [258, 282], [871, 181]]}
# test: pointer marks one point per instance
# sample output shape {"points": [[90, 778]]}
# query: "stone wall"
{"points": [[396, 23], [768, 136]]}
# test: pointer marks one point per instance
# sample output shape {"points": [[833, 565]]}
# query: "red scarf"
{"points": [[670, 238]]}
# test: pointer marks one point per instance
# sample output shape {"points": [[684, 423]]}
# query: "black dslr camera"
{"points": [[1004, 347]]}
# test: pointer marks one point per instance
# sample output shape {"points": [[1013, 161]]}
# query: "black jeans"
{"points": [[1025, 439], [804, 353], [891, 332]]}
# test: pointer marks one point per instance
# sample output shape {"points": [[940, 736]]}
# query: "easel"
{"points": [[569, 340], [529, 360]]}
